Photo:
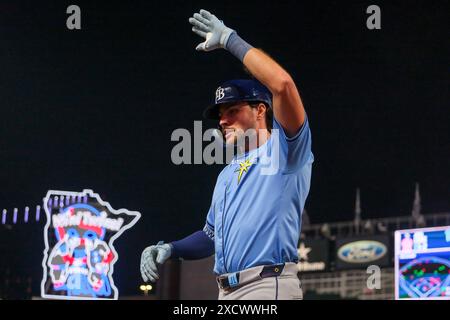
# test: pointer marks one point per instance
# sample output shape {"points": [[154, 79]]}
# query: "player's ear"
{"points": [[262, 109]]}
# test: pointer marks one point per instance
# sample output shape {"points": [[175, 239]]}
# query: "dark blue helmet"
{"points": [[234, 91]]}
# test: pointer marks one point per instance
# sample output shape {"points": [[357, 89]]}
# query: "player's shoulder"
{"points": [[224, 171], [303, 127]]}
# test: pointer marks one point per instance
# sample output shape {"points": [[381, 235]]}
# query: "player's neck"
{"points": [[261, 138]]}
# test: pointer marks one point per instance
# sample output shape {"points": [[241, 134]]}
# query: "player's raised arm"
{"points": [[287, 104]]}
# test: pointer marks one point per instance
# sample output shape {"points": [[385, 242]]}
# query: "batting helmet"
{"points": [[237, 91]]}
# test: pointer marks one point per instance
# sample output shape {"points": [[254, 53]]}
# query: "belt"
{"points": [[232, 280]]}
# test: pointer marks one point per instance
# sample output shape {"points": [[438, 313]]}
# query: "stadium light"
{"points": [[145, 288]]}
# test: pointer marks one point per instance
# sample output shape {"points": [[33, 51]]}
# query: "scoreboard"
{"points": [[422, 263]]}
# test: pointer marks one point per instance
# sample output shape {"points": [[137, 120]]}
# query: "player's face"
{"points": [[235, 119]]}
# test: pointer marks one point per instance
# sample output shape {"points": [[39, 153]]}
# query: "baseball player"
{"points": [[253, 224]]}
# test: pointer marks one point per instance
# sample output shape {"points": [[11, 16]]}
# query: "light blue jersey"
{"points": [[255, 214]]}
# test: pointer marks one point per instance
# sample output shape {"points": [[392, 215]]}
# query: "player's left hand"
{"points": [[207, 26]]}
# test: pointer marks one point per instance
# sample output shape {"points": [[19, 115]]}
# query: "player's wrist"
{"points": [[225, 36], [169, 248], [237, 46]]}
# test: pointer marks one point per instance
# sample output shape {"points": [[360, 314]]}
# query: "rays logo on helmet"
{"points": [[220, 93]]}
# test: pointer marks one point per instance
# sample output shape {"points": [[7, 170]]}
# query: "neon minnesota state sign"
{"points": [[79, 255]]}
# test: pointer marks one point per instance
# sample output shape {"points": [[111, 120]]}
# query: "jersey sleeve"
{"points": [[209, 225], [296, 149]]}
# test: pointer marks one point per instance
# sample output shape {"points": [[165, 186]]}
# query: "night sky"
{"points": [[95, 108]]}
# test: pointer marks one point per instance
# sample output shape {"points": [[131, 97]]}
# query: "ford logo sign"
{"points": [[362, 251]]}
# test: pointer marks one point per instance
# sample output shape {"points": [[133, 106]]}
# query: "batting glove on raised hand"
{"points": [[207, 26], [152, 257]]}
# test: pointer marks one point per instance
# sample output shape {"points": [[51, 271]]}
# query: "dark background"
{"points": [[95, 108]]}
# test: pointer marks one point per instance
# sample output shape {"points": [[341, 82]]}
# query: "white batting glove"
{"points": [[207, 26], [152, 257]]}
